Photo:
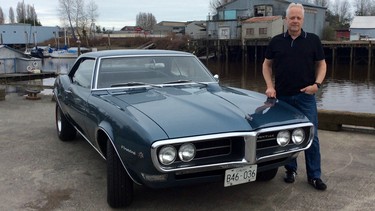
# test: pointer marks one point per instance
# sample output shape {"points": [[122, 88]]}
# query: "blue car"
{"points": [[160, 119]]}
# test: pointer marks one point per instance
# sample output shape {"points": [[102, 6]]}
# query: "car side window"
{"points": [[83, 74]]}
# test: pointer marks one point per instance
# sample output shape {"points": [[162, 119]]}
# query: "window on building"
{"points": [[262, 31], [250, 31], [263, 10]]}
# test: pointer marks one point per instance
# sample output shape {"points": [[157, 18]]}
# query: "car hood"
{"points": [[183, 111]]}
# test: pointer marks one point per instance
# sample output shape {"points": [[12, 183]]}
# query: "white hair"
{"points": [[295, 5]]}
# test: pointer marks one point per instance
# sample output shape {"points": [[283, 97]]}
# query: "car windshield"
{"points": [[143, 70]]}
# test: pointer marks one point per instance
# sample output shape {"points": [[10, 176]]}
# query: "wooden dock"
{"points": [[11, 77], [350, 52]]}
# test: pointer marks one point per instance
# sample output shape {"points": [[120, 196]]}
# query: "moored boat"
{"points": [[68, 53]]}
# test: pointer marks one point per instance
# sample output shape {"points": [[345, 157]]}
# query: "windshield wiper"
{"points": [[185, 81], [178, 82], [133, 83]]}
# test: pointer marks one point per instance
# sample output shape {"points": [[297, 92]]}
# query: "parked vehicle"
{"points": [[161, 119]]}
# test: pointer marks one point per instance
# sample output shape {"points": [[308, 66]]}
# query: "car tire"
{"points": [[65, 130], [119, 184], [267, 175]]}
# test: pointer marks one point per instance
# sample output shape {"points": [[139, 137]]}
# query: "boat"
{"points": [[68, 53], [40, 51]]}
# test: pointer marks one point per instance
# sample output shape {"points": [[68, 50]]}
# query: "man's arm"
{"points": [[320, 74], [321, 69], [267, 75]]}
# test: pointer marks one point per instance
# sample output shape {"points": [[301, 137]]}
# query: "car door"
{"points": [[80, 90]]}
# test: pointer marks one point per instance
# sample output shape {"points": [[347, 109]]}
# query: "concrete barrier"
{"points": [[334, 120]]}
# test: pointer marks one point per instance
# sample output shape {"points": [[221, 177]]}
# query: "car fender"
{"points": [[105, 128]]}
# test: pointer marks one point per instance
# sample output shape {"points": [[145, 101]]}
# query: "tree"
{"points": [[146, 21], [364, 7], [92, 12], [74, 15], [340, 14], [11, 15], [67, 12], [21, 12], [2, 18], [26, 14]]}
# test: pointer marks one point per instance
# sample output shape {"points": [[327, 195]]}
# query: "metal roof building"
{"points": [[14, 34], [362, 27], [230, 15]]}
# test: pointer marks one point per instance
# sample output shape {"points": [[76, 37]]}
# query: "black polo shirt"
{"points": [[294, 61]]}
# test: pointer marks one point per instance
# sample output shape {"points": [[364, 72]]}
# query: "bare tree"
{"points": [[11, 15], [341, 10], [146, 21], [67, 13], [2, 17], [30, 13], [92, 12], [21, 12], [74, 15], [80, 16], [363, 7]]}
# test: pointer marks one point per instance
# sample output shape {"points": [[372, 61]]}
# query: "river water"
{"points": [[344, 89]]}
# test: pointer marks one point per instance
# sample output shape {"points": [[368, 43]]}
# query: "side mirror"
{"points": [[216, 76]]}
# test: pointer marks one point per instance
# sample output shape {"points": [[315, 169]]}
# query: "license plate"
{"points": [[240, 175]]}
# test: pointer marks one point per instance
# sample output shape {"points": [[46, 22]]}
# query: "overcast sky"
{"points": [[119, 13]]}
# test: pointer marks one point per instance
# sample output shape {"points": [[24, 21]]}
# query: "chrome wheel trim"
{"points": [[58, 120]]}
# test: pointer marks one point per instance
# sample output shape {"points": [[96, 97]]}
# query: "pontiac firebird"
{"points": [[161, 119]]}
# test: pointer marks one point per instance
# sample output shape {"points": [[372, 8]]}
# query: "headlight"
{"points": [[167, 155], [298, 136], [283, 138], [186, 152]]}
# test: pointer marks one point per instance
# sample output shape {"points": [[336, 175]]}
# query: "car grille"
{"points": [[267, 144], [216, 150], [232, 149]]}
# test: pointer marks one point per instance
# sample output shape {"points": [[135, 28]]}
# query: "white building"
{"points": [[16, 34], [14, 61], [196, 29], [362, 28], [262, 27]]}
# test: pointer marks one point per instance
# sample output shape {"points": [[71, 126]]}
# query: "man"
{"points": [[297, 59]]}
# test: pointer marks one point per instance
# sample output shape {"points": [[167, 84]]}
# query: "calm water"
{"points": [[345, 88]]}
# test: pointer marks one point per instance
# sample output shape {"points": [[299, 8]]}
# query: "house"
{"points": [[226, 24], [261, 27], [196, 29], [362, 28], [165, 28], [15, 61], [132, 29], [22, 34], [342, 34]]}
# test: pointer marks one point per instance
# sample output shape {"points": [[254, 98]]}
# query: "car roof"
{"points": [[132, 52]]}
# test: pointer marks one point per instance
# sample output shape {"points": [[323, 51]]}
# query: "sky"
{"points": [[119, 13]]}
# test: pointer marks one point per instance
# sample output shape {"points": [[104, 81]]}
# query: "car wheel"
{"points": [[267, 175], [119, 184], [65, 130]]}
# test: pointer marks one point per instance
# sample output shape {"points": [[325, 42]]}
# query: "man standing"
{"points": [[297, 59]]}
